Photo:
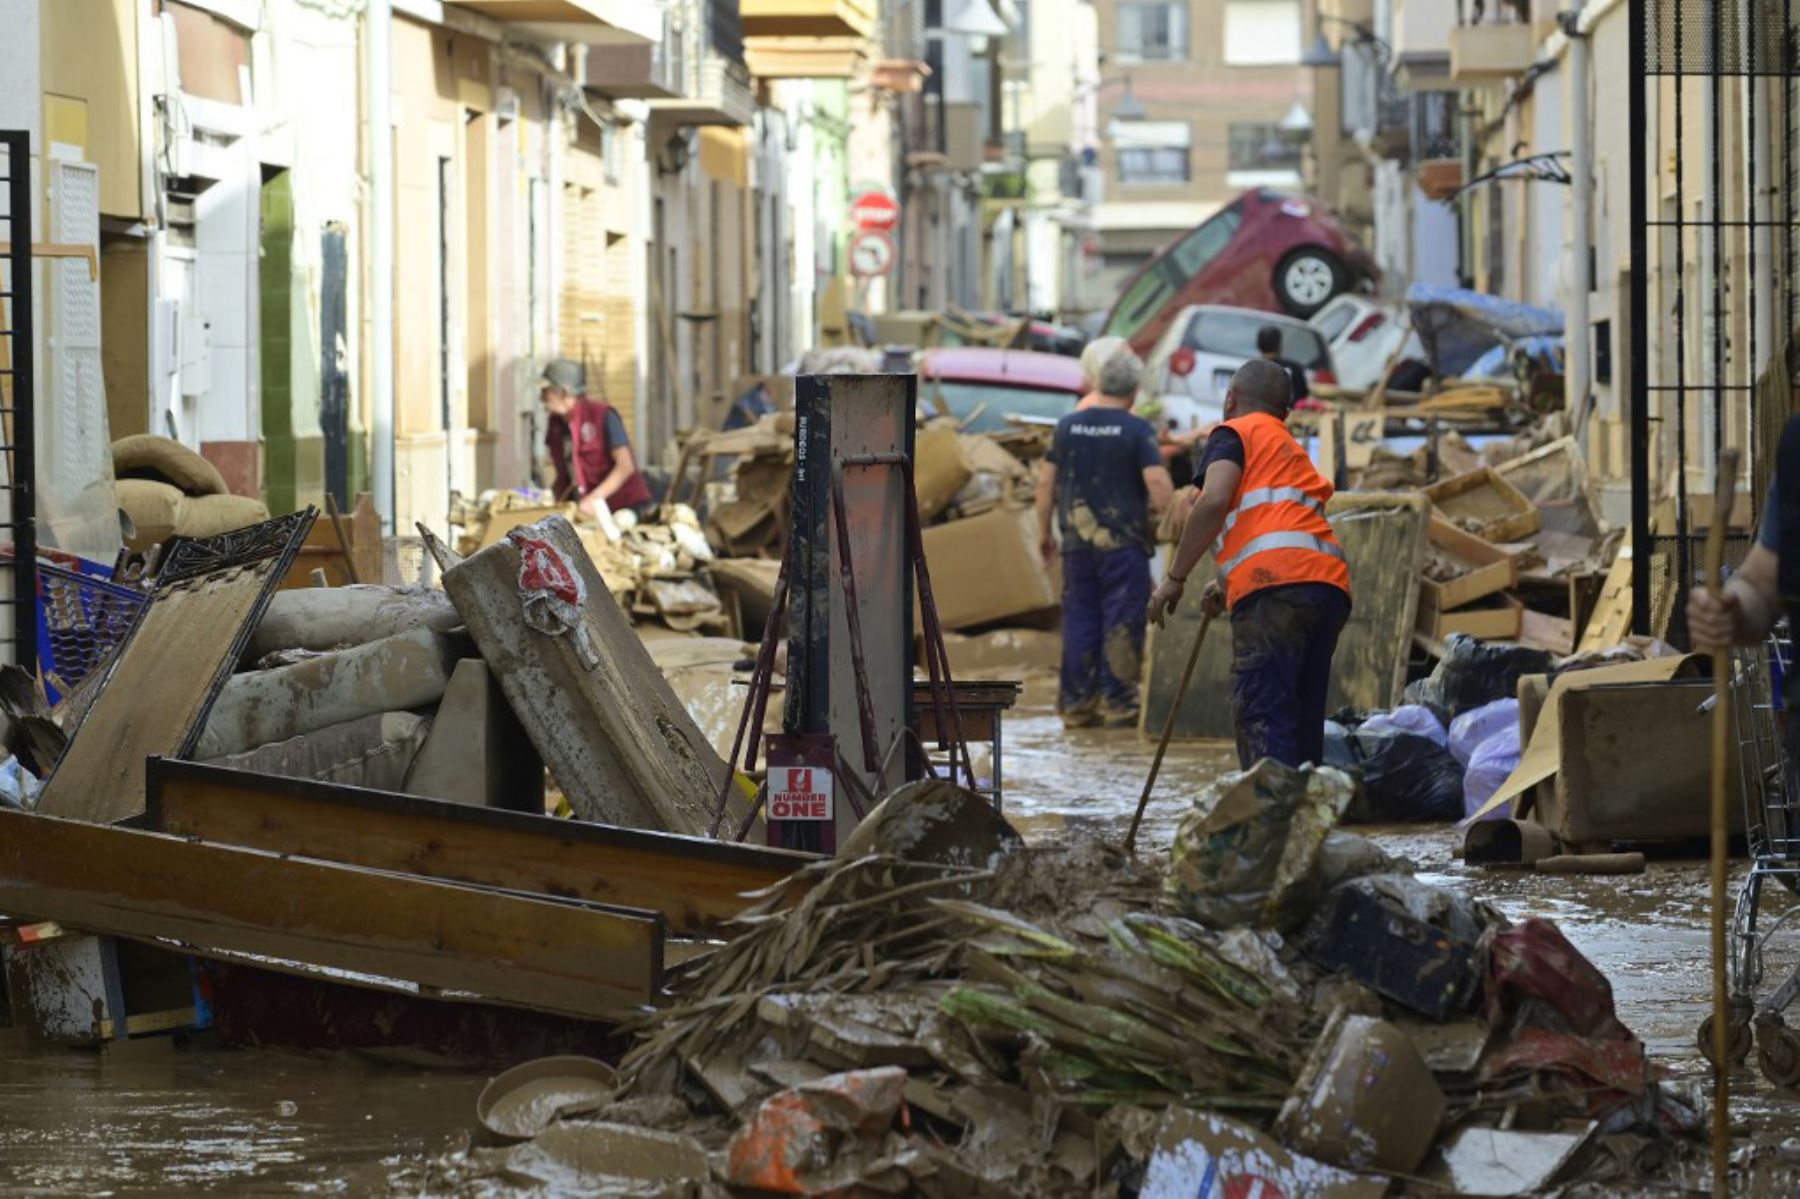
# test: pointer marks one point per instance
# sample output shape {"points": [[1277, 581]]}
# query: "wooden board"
{"points": [[1610, 621], [618, 742], [161, 684], [1383, 536], [1483, 499], [1496, 618], [531, 952], [322, 551], [1490, 569], [695, 883]]}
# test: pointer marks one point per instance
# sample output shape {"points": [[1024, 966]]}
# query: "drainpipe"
{"points": [[379, 77], [1578, 333]]}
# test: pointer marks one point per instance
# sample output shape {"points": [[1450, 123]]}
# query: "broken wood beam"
{"points": [[525, 951], [694, 882]]}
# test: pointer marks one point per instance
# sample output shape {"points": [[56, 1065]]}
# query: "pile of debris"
{"points": [[656, 569], [1281, 1000]]}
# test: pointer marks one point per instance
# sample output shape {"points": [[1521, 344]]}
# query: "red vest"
{"points": [[1276, 533], [581, 466]]}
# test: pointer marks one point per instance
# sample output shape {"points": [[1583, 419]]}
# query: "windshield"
{"points": [[1156, 287], [995, 403], [1233, 335]]}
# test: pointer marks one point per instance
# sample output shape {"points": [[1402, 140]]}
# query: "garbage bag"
{"points": [[1409, 718], [1472, 673], [19, 788], [1470, 729], [1492, 764], [1247, 852], [1406, 778]]}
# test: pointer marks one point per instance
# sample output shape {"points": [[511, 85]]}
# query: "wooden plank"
{"points": [[163, 680], [530, 952], [1490, 568], [618, 742], [1497, 618], [1383, 536], [695, 883], [1610, 621], [1484, 499]]}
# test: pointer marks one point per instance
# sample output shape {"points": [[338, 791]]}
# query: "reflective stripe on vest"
{"points": [[1279, 541], [1259, 496]]}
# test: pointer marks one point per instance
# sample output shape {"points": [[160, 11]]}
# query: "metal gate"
{"points": [[1712, 284], [18, 509]]}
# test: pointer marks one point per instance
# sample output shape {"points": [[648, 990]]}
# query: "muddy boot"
{"points": [[1120, 718], [1084, 715]]}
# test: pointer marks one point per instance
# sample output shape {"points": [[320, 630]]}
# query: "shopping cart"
{"points": [[1772, 829], [80, 619]]}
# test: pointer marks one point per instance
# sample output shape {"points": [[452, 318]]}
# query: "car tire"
{"points": [[1307, 279]]}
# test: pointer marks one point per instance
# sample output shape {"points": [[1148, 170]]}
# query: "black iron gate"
{"points": [[1712, 286], [18, 507]]}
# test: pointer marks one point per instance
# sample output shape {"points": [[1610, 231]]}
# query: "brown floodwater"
{"points": [[157, 1119]]}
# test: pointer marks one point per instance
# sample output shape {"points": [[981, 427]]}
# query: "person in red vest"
{"points": [[588, 447], [1282, 574]]}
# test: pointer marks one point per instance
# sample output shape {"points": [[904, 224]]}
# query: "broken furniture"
{"points": [[347, 549], [981, 704], [1485, 504], [155, 695]]}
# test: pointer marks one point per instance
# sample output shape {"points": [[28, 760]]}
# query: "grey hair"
{"points": [[1121, 373], [1094, 357], [1264, 385]]}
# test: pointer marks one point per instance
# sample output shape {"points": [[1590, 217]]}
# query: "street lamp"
{"points": [[1322, 57]]}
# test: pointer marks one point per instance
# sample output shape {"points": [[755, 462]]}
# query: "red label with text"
{"points": [[800, 793]]}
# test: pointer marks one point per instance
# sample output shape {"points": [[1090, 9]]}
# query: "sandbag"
{"points": [[155, 509], [371, 751], [210, 515], [147, 456], [329, 618]]}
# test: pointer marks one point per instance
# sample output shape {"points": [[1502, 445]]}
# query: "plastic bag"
{"points": [[19, 788], [1247, 852], [1406, 778], [1491, 765], [1409, 718], [1472, 673], [1469, 730]]}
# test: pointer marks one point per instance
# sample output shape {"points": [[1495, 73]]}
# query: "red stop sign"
{"points": [[874, 212]]}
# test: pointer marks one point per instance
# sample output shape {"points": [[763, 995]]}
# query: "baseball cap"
{"points": [[563, 373]]}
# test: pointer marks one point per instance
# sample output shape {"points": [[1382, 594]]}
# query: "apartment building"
{"points": [[1197, 102]]}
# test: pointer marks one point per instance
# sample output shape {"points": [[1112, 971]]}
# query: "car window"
{"points": [[1153, 290], [995, 402], [1233, 335], [1334, 318]]}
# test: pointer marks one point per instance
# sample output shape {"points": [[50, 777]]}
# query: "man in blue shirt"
{"points": [[1105, 480]]}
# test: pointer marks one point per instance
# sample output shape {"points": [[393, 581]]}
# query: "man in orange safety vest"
{"points": [[1281, 571]]}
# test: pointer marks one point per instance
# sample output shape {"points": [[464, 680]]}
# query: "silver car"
{"points": [[1188, 371]]}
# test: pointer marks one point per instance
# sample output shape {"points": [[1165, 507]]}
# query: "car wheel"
{"points": [[1307, 279]]}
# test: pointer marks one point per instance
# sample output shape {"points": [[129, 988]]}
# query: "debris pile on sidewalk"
{"points": [[167, 490], [656, 569], [1280, 999]]}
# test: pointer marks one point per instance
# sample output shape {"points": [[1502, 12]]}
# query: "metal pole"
{"points": [[379, 83], [1578, 376], [1638, 329]]}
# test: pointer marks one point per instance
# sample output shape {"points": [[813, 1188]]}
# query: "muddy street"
{"points": [[157, 1118]]}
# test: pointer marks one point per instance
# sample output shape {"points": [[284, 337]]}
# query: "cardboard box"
{"points": [[1487, 568], [986, 570]]}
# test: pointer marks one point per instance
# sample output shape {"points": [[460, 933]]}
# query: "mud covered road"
{"points": [[155, 1119]]}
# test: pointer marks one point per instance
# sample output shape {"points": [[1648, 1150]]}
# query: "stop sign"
{"points": [[874, 211]]}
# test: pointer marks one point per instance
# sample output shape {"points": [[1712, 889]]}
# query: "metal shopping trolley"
{"points": [[1772, 828]]}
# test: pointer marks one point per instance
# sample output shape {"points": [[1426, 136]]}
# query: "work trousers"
{"points": [[1282, 639], [1106, 594]]}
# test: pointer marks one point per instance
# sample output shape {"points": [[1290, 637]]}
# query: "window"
{"points": [[1234, 336], [1260, 155], [1152, 32], [1152, 291], [1262, 32], [1166, 164], [1153, 152]]}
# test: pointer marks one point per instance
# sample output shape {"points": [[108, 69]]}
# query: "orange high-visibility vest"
{"points": [[1276, 533]]}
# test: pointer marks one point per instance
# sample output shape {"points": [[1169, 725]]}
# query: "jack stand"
{"points": [[864, 492]]}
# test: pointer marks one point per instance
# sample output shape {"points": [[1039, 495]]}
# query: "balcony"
{"points": [[1488, 55], [642, 71], [1421, 39], [595, 22], [714, 92], [809, 18], [804, 57]]}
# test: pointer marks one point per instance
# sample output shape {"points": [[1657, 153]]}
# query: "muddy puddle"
{"points": [[156, 1120]]}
